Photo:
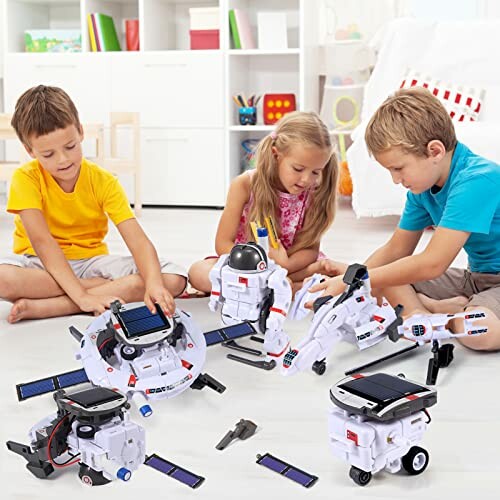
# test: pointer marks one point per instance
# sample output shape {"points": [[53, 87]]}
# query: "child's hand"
{"points": [[158, 294], [332, 267], [279, 255], [333, 286], [96, 304]]}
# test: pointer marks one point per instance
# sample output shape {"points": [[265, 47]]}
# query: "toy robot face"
{"points": [[248, 257]]}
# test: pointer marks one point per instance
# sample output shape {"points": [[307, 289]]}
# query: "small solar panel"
{"points": [[381, 388], [51, 384], [172, 470], [285, 469], [95, 396], [140, 321], [229, 333]]}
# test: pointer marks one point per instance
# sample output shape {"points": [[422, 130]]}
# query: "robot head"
{"points": [[248, 257]]}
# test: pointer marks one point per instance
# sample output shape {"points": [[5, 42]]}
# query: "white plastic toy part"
{"points": [[303, 296]]}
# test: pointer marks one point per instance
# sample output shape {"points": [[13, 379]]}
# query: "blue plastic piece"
{"points": [[262, 232], [123, 474], [146, 411]]}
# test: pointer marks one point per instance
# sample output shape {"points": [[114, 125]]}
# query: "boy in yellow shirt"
{"points": [[62, 203]]}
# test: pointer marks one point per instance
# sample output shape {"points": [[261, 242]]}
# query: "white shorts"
{"points": [[101, 266]]}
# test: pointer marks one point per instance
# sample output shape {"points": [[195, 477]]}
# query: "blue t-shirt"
{"points": [[469, 201]]}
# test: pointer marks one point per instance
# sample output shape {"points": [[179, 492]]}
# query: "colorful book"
{"points": [[234, 29], [93, 45], [247, 40], [106, 33]]}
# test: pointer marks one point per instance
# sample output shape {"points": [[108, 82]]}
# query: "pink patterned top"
{"points": [[292, 209]]}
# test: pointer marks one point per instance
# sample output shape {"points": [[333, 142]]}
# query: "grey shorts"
{"points": [[482, 289], [102, 266]]}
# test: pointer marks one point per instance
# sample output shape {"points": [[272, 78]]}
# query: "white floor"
{"points": [[463, 439]]}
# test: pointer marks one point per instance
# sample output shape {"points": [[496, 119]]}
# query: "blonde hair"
{"points": [[304, 129], [42, 110], [410, 119]]}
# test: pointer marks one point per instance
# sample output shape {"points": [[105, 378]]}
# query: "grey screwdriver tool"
{"points": [[244, 429]]}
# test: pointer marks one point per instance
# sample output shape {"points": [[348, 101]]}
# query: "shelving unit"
{"points": [[190, 135]]}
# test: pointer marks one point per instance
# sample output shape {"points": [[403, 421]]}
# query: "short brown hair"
{"points": [[42, 110], [410, 119]]}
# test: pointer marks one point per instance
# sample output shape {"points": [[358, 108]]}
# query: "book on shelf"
{"points": [[102, 33], [240, 29], [234, 30]]}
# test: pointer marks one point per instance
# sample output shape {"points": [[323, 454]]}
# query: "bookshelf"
{"points": [[190, 135]]}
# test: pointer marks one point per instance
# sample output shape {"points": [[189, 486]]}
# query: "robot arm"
{"points": [[280, 285], [216, 279]]}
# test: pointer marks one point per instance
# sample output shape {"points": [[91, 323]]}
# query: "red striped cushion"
{"points": [[462, 103]]}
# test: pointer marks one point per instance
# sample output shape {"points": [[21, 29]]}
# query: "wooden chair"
{"points": [[7, 133], [118, 165]]}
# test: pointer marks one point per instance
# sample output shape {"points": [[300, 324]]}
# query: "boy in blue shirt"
{"points": [[450, 187]]}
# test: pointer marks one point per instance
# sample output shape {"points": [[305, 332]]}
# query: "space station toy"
{"points": [[353, 316], [249, 286], [431, 328], [376, 422], [91, 428], [145, 355]]}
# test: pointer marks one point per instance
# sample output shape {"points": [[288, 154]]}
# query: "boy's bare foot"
{"points": [[444, 306], [19, 310]]}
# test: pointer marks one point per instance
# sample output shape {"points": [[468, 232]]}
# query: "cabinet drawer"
{"points": [[85, 77], [175, 89], [183, 167]]}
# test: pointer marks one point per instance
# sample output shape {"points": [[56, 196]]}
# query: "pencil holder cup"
{"points": [[248, 115]]}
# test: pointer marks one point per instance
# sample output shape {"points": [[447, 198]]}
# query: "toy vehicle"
{"points": [[93, 427], [248, 286], [144, 355], [376, 422], [353, 316]]}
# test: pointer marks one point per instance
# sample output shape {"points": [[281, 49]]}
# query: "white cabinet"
{"points": [[85, 77], [170, 89], [183, 167]]}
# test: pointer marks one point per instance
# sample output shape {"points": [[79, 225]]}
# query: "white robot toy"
{"points": [[145, 355], [248, 286], [354, 316], [92, 427], [376, 422]]}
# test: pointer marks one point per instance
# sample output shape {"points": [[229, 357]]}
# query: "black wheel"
{"points": [[360, 476], [319, 367], [129, 352], [91, 477], [86, 431], [264, 312], [415, 461]]}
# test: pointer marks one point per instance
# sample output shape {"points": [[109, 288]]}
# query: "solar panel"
{"points": [[229, 333], [140, 321], [287, 470], [51, 384], [95, 396], [381, 388], [172, 470]]}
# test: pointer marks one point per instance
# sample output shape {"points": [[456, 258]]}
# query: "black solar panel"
{"points": [[172, 470], [94, 396], [51, 384], [141, 321], [229, 333], [381, 388]]}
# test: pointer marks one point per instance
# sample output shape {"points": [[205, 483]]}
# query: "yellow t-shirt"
{"points": [[78, 221]]}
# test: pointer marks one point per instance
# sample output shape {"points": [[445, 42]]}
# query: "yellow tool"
{"points": [[271, 231], [254, 227]]}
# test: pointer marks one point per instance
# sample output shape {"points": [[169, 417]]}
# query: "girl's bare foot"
{"points": [[444, 306], [19, 310]]}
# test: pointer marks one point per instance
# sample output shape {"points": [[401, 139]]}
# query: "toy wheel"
{"points": [[129, 352], [415, 461], [265, 310], [360, 476], [86, 431], [319, 367]]}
